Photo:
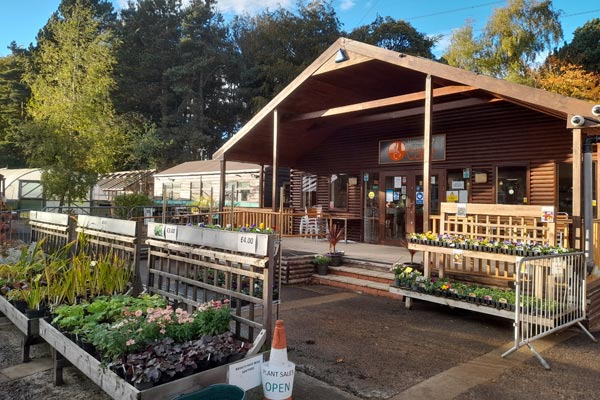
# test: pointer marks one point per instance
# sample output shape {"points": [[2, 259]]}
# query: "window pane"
{"points": [[512, 185], [339, 191], [309, 190]]}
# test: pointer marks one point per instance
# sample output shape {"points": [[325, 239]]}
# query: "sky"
{"points": [[20, 20]]}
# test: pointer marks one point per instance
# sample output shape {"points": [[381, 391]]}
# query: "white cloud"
{"points": [[240, 6], [345, 5], [250, 6]]}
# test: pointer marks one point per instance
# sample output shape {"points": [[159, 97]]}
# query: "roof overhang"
{"points": [[375, 85]]}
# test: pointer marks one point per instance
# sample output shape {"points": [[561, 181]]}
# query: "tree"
{"points": [[149, 33], [396, 35], [13, 97], [202, 84], [72, 136], [513, 38], [464, 49], [567, 79], [584, 49], [275, 46]]}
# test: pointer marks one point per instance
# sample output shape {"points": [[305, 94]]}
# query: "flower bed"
{"points": [[145, 341], [519, 248]]}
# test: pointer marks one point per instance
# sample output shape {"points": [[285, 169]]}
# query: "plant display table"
{"points": [[29, 327]]}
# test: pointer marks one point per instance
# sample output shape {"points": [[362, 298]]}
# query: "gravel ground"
{"points": [[374, 348]]}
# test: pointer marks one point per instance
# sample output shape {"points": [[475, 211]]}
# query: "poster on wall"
{"points": [[411, 150], [452, 196]]}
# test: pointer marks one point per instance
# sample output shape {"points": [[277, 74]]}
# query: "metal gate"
{"points": [[550, 296]]}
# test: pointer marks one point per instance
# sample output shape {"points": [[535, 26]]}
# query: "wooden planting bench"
{"points": [[494, 222], [29, 327], [179, 260]]}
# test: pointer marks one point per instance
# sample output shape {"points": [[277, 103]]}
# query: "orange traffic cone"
{"points": [[278, 372]]}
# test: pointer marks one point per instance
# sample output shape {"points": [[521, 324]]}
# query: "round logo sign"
{"points": [[371, 195], [397, 150]]}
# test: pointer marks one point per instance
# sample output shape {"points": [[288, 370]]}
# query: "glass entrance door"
{"points": [[394, 212], [401, 204]]}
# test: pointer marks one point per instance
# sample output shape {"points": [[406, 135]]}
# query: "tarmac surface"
{"points": [[350, 346]]}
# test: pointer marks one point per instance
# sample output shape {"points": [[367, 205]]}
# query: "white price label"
{"points": [[247, 242]]}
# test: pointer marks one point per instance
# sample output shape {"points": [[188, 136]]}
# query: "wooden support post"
{"points": [[222, 182], [577, 189], [138, 282], [427, 155], [59, 362], [261, 187], [275, 159], [274, 170]]}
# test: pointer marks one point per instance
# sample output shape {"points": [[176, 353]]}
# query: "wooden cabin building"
{"points": [[380, 139]]}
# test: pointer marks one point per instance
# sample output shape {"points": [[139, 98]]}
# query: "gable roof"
{"points": [[376, 84], [205, 167]]}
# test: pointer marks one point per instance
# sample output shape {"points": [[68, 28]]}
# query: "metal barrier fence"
{"points": [[550, 296]]}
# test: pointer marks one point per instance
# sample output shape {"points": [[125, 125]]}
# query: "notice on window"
{"points": [[397, 182], [389, 195]]}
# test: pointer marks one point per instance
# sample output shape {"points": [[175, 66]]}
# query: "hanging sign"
{"points": [[410, 150]]}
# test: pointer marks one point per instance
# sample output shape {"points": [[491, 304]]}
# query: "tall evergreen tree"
{"points": [[396, 35], [13, 98], [72, 136], [584, 49], [203, 84], [275, 46]]}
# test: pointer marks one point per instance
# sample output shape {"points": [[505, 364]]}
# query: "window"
{"points": [[512, 185], [309, 190], [339, 191], [565, 187]]}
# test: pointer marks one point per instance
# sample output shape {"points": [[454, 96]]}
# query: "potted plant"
{"points": [[322, 262], [412, 264], [335, 234]]}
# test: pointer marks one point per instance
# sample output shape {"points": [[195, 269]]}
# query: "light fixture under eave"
{"points": [[341, 56]]}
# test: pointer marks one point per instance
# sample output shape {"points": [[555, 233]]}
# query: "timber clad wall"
{"points": [[492, 136]]}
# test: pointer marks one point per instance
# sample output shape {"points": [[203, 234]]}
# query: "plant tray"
{"points": [[455, 303], [117, 387]]}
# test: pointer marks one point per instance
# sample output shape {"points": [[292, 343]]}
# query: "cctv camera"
{"points": [[596, 110], [577, 120]]}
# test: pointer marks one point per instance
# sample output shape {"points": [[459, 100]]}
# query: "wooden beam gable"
{"points": [[380, 103]]}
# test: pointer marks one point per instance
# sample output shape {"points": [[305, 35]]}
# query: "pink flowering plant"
{"points": [[140, 328]]}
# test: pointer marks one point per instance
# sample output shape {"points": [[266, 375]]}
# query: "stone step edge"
{"points": [[354, 281], [364, 272]]}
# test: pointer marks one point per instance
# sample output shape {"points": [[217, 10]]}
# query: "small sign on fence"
{"points": [[247, 243]]}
